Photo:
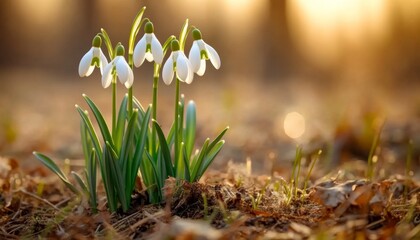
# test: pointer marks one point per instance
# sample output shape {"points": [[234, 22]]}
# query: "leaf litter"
{"points": [[224, 205]]}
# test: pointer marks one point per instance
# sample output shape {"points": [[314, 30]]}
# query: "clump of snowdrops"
{"points": [[135, 146]]}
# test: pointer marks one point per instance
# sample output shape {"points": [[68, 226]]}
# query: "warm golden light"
{"points": [[335, 25], [294, 125]]}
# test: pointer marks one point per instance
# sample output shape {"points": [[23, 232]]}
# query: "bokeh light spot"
{"points": [[294, 125]]}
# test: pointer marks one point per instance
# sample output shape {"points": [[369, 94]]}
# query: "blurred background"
{"points": [[323, 73]]}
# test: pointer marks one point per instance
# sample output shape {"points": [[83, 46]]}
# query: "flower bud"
{"points": [[119, 50], [196, 34], [175, 45], [148, 27], [97, 41]]}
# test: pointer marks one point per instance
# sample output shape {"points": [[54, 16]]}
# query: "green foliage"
{"points": [[135, 142]]}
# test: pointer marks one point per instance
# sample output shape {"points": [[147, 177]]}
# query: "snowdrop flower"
{"points": [[200, 52], [94, 57], [179, 63], [122, 69], [148, 47]]}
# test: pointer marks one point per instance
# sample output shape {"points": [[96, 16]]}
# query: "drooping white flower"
{"points": [[94, 57], [200, 52], [122, 69], [148, 47], [177, 63]]}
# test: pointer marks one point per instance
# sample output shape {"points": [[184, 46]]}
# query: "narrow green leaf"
{"points": [[107, 178], [196, 165], [190, 129], [108, 43], [139, 106], [86, 141], [140, 146], [91, 171], [183, 35], [81, 183], [171, 136], [119, 130], [117, 180], [166, 155], [218, 138], [55, 169], [208, 159], [151, 178], [135, 27], [101, 122], [92, 133], [128, 144], [182, 170]]}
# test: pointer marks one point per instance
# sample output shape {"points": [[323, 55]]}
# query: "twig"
{"points": [[37, 198], [154, 217]]}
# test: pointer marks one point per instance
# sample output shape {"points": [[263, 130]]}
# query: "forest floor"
{"points": [[248, 193]]}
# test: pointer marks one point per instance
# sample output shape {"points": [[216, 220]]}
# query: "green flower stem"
{"points": [[130, 101], [176, 142], [114, 105], [154, 106]]}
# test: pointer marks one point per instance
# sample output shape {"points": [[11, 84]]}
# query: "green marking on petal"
{"points": [[97, 41], [148, 27], [204, 55], [196, 34], [95, 62], [148, 47]]}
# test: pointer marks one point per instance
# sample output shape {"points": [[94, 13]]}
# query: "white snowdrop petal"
{"points": [[157, 50], [195, 57], [84, 64], [168, 71], [107, 75], [140, 52], [190, 73], [182, 70], [123, 70], [90, 70], [130, 79], [214, 57], [202, 69], [104, 61]]}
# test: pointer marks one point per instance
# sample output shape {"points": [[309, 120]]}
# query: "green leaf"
{"points": [[101, 122], [86, 141], [135, 27], [166, 155], [182, 170], [89, 127], [183, 35], [55, 169], [119, 130], [128, 145], [218, 138], [116, 177], [208, 159], [190, 129], [139, 106], [151, 178], [196, 164], [108, 43], [91, 170], [140, 146], [81, 183]]}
